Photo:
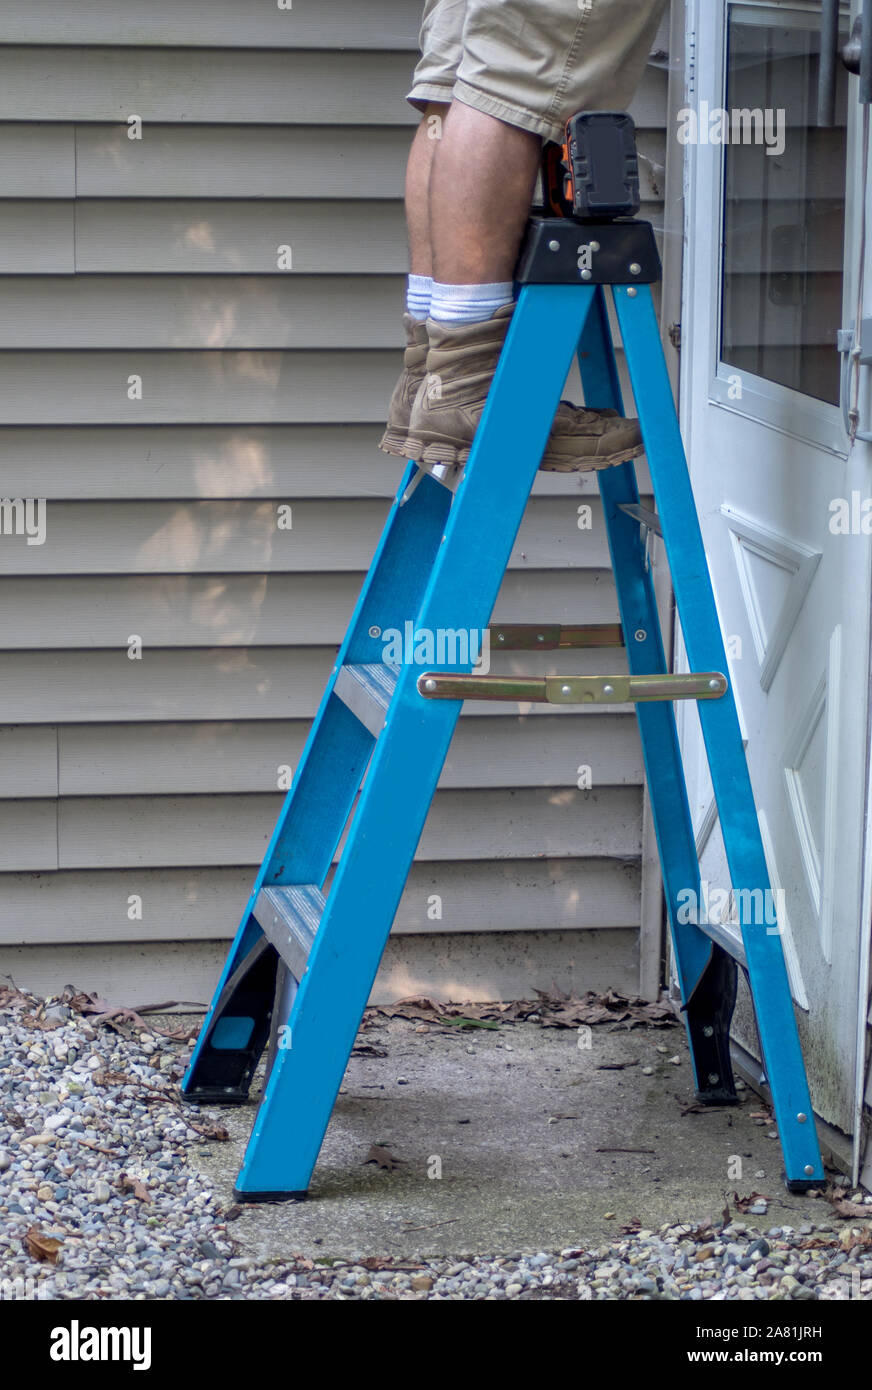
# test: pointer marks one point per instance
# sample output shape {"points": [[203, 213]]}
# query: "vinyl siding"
{"points": [[157, 259]]}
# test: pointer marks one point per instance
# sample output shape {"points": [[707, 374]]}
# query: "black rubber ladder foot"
{"points": [[709, 1014], [237, 1032]]}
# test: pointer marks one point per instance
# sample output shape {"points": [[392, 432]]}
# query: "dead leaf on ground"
{"points": [[855, 1240], [42, 1247], [98, 1148], [42, 1025], [617, 1066], [743, 1203], [705, 1231], [839, 1200], [383, 1157], [101, 1011], [114, 1078], [367, 1049], [561, 1011], [553, 1008], [418, 1007], [698, 1108], [849, 1209], [209, 1128], [134, 1185]]}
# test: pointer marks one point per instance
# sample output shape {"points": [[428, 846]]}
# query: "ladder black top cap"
{"points": [[564, 251]]}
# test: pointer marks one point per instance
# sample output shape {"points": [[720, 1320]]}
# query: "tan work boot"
{"points": [[448, 406], [414, 366]]}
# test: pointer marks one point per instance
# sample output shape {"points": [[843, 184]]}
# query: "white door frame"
{"points": [[809, 420]]}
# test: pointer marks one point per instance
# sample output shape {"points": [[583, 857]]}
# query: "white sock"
{"points": [[469, 303], [418, 295]]}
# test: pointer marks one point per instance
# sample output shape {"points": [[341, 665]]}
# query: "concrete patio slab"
{"points": [[512, 1140]]}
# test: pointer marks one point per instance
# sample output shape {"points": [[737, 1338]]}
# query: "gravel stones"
{"points": [[94, 1149]]}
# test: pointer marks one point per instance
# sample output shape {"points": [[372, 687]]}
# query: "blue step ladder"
{"points": [[303, 962]]}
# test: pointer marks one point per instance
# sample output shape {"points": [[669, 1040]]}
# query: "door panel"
{"points": [[764, 301]]}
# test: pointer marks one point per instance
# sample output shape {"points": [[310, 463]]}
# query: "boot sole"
{"points": [[395, 444], [442, 451]]}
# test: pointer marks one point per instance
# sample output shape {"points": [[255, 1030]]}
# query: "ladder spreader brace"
{"points": [[573, 690], [302, 965]]}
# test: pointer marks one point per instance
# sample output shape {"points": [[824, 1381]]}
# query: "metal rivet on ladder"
{"points": [[566, 689], [375, 632], [539, 637], [501, 637], [586, 274], [808, 1170], [632, 292], [608, 690], [640, 634], [554, 246], [635, 268], [714, 685], [594, 246], [713, 1078], [708, 1032], [429, 685], [802, 1118]]}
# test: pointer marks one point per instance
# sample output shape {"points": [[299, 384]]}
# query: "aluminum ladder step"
{"points": [[367, 691], [289, 917]]}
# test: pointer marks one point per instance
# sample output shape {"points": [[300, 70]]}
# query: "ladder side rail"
{"points": [[637, 604], [719, 721]]}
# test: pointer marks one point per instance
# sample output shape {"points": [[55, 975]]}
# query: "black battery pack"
{"points": [[602, 178]]}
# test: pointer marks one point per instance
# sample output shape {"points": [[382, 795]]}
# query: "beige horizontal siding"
{"points": [[109, 463], [499, 965], [347, 162], [52, 83], [148, 832], [180, 162], [157, 259], [28, 761], [53, 909], [240, 536], [235, 683], [185, 387], [108, 311], [282, 240], [209, 24], [161, 759], [75, 612]]}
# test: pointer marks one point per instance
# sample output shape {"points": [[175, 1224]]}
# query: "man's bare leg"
{"points": [[481, 185], [418, 172], [420, 283]]}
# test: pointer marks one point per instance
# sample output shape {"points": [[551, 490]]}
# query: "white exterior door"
{"points": [[772, 262]]}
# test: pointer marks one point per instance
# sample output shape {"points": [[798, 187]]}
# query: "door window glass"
{"points": [[784, 204]]}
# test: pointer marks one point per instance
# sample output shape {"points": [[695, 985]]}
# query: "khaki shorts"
{"points": [[534, 63]]}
